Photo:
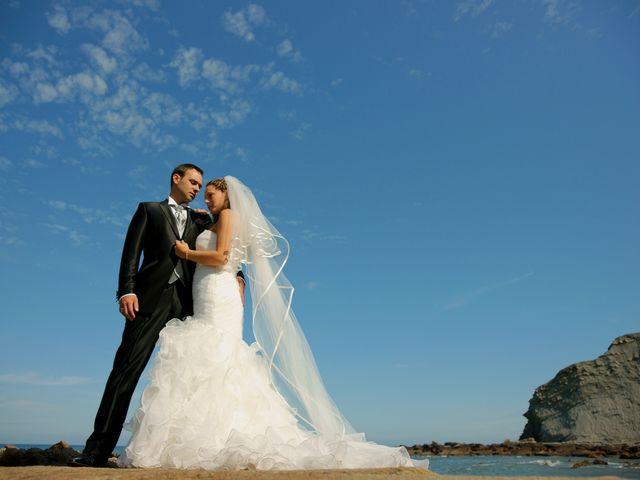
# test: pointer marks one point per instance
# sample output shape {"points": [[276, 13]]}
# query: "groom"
{"points": [[149, 295]]}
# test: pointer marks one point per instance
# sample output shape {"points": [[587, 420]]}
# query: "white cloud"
{"points": [[86, 82], [15, 68], [560, 11], [84, 167], [59, 20], [31, 378], [337, 82], [312, 285], [129, 112], [498, 29], [47, 54], [163, 106], [279, 81], [286, 49], [44, 151], [87, 214], [76, 237], [31, 163], [123, 37], [8, 92], [100, 58], [186, 62], [45, 93], [237, 111], [471, 7], [145, 73], [217, 72], [137, 173], [222, 76], [300, 132], [257, 15], [241, 22], [150, 4], [39, 126], [66, 88], [120, 36], [312, 234]]}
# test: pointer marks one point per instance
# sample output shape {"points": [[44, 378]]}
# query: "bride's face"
{"points": [[215, 199]]}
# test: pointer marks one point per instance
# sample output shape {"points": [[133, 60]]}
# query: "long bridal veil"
{"points": [[258, 245]]}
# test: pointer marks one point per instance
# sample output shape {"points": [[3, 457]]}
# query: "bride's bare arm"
{"points": [[211, 258]]}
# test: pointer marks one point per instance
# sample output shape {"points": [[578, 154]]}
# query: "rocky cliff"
{"points": [[594, 401]]}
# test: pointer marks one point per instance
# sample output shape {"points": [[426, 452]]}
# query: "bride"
{"points": [[213, 401]]}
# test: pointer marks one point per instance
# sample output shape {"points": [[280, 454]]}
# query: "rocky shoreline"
{"points": [[61, 453], [526, 448]]}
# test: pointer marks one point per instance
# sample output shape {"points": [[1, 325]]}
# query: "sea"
{"points": [[504, 466]]}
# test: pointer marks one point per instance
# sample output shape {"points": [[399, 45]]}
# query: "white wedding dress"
{"points": [[210, 403]]}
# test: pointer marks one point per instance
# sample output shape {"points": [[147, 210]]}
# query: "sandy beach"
{"points": [[68, 473]]}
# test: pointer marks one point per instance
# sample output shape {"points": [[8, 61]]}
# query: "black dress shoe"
{"points": [[88, 461]]}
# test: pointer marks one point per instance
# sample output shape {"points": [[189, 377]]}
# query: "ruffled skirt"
{"points": [[210, 404]]}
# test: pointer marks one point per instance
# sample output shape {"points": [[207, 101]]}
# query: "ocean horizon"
{"points": [[494, 465]]}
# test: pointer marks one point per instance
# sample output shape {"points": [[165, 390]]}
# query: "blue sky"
{"points": [[458, 180]]}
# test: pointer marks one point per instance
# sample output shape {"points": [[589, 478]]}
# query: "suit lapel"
{"points": [[171, 219]]}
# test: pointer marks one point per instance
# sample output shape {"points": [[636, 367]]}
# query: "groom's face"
{"points": [[185, 188]]}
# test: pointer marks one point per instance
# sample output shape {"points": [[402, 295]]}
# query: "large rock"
{"points": [[59, 454], [593, 401]]}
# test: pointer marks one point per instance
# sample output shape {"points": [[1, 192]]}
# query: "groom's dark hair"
{"points": [[182, 169]]}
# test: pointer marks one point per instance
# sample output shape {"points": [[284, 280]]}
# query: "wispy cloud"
{"points": [[32, 378], [466, 298], [39, 126], [74, 235], [100, 58], [471, 7], [310, 234], [59, 20], [273, 79], [301, 132], [498, 29], [187, 62], [113, 94], [8, 92], [9, 233], [286, 49], [242, 22], [87, 214], [560, 11], [33, 163]]}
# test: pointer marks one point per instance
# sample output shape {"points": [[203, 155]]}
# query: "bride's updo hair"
{"points": [[220, 184]]}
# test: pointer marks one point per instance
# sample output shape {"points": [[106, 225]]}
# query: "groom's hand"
{"points": [[129, 306]]}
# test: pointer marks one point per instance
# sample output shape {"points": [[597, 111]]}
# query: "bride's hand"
{"points": [[181, 249], [200, 211]]}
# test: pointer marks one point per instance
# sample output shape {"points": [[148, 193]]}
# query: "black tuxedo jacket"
{"points": [[152, 235]]}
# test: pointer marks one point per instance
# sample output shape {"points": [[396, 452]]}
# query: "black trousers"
{"points": [[138, 341]]}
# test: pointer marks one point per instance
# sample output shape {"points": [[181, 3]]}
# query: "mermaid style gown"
{"points": [[210, 403]]}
